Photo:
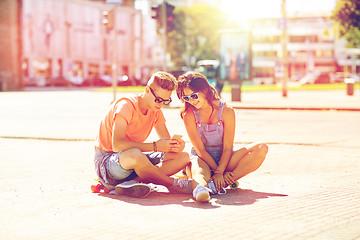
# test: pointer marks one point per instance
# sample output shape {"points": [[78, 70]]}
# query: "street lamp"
{"points": [[109, 23]]}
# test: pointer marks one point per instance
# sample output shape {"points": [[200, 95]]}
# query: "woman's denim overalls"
{"points": [[211, 134]]}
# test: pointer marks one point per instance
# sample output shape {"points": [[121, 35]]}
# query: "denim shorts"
{"points": [[214, 153], [113, 169]]}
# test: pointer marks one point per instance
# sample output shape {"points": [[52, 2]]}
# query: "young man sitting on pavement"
{"points": [[123, 160]]}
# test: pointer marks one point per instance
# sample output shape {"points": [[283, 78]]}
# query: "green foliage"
{"points": [[347, 16], [195, 34]]}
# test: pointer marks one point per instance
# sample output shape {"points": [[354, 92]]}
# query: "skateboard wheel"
{"points": [[234, 185]]}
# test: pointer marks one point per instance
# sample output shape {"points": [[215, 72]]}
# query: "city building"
{"points": [[10, 45], [311, 44], [53, 39], [69, 39]]}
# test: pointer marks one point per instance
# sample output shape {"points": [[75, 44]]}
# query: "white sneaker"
{"points": [[201, 193], [213, 190], [133, 189]]}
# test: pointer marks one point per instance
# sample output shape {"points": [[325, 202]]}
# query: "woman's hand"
{"points": [[219, 182], [228, 178]]}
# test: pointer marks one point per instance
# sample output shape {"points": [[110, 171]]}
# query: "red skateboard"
{"points": [[98, 187]]}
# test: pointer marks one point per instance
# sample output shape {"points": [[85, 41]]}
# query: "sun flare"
{"points": [[243, 10]]}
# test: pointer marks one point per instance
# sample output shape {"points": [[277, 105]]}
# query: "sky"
{"points": [[244, 9]]}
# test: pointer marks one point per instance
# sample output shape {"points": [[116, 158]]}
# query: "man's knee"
{"points": [[133, 158], [184, 157]]}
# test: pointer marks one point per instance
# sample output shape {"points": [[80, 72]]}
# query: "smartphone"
{"points": [[176, 137]]}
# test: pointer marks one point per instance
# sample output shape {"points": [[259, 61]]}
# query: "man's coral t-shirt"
{"points": [[139, 125]]}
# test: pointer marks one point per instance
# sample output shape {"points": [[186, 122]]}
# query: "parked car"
{"points": [[124, 80], [76, 80], [309, 78], [316, 77], [356, 77], [106, 81], [339, 77], [297, 77], [29, 81], [100, 81], [59, 81], [37, 81]]}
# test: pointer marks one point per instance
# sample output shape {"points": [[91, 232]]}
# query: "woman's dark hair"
{"points": [[198, 83]]}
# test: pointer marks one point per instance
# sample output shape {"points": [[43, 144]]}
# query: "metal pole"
{"points": [[284, 37], [114, 60], [164, 20]]}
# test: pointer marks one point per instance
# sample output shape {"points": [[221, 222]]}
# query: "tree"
{"points": [[195, 34], [347, 16]]}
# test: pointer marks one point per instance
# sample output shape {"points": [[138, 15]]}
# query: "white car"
{"points": [[309, 78]]}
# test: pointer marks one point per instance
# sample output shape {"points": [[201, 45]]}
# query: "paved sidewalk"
{"points": [[297, 100], [300, 100], [307, 188]]}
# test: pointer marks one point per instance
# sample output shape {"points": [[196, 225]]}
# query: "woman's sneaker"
{"points": [[133, 189], [201, 194], [213, 190]]}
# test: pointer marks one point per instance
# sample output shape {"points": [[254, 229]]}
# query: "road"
{"points": [[307, 188]]}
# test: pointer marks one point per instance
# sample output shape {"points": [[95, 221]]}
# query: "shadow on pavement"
{"points": [[244, 197], [233, 197]]}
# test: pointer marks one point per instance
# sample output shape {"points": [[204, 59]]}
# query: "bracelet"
{"points": [[218, 172], [154, 145]]}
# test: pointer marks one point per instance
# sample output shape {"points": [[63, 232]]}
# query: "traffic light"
{"points": [[108, 19], [170, 17], [156, 14]]}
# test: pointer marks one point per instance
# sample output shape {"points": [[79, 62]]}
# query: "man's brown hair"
{"points": [[164, 80]]}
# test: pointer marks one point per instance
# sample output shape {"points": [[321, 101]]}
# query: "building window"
{"points": [[324, 53]]}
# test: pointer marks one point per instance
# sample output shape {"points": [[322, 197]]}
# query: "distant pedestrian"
{"points": [[210, 124], [123, 159]]}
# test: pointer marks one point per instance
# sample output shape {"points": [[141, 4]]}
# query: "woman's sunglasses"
{"points": [[192, 96], [159, 99]]}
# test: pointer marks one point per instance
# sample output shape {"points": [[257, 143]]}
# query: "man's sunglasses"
{"points": [[159, 99], [192, 96]]}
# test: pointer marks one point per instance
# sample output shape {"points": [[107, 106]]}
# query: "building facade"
{"points": [[311, 46], [10, 45], [68, 38]]}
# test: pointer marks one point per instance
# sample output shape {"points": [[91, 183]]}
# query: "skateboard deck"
{"points": [[99, 187]]}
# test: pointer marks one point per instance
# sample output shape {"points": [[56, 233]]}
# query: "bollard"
{"points": [[236, 91], [349, 86]]}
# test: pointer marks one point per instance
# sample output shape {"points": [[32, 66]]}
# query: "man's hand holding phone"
{"points": [[179, 145], [176, 137]]}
